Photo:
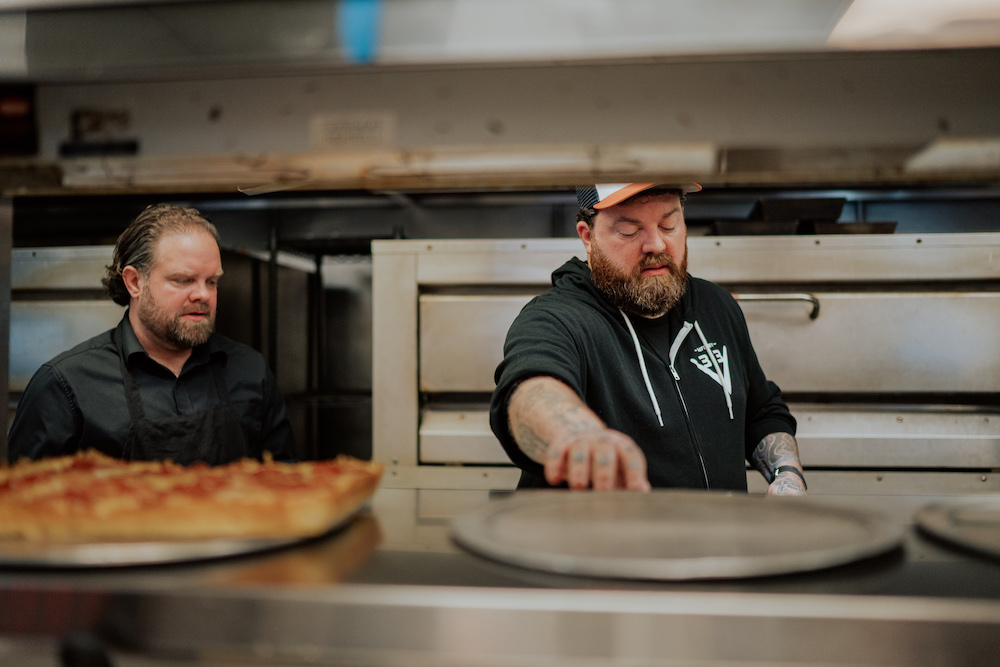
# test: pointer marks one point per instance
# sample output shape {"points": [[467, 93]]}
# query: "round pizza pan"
{"points": [[41, 554], [671, 535], [971, 522]]}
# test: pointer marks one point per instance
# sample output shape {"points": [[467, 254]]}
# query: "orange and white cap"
{"points": [[604, 195]]}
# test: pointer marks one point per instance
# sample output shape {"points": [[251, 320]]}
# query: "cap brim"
{"points": [[632, 189]]}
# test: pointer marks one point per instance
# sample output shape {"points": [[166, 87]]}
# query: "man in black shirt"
{"points": [[162, 385]]}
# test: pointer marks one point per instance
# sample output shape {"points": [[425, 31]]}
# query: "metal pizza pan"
{"points": [[48, 554], [670, 534], [971, 522]]}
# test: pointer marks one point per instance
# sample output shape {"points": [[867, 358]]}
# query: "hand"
{"points": [[786, 484], [601, 459]]}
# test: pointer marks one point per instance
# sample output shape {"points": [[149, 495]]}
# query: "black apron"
{"points": [[215, 436]]}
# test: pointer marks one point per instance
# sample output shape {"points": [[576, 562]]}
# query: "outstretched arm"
{"points": [[779, 450], [554, 427]]}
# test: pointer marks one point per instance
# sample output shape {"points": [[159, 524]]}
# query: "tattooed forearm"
{"points": [[779, 449], [541, 410], [775, 450]]}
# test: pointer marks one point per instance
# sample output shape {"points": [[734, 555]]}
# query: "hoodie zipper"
{"points": [[695, 443], [674, 348]]}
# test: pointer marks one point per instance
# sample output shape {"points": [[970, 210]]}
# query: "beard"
{"points": [[173, 329], [646, 296]]}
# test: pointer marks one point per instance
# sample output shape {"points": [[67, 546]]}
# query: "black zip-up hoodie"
{"points": [[713, 399]]}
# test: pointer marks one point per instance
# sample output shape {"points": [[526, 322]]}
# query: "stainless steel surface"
{"points": [[459, 436], [765, 120], [461, 339], [881, 342], [671, 535], [843, 259], [891, 436], [65, 268], [393, 588], [396, 626], [42, 328], [462, 31], [395, 407], [845, 436], [866, 341], [972, 523], [39, 330], [902, 315], [313, 32], [430, 31]]}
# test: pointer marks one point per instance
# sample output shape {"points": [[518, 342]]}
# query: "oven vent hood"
{"points": [[258, 96], [110, 39]]}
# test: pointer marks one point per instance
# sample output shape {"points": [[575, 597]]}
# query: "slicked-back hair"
{"points": [[137, 244], [588, 214]]}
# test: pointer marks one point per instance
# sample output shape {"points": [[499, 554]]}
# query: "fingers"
{"points": [[601, 460], [578, 476], [633, 466], [605, 467], [556, 467]]}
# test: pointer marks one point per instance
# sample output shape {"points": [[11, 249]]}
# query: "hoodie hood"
{"points": [[576, 272]]}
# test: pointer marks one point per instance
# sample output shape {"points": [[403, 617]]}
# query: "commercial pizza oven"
{"points": [[884, 345]]}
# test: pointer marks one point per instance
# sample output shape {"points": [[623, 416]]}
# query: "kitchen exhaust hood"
{"points": [[107, 39], [261, 96], [99, 40]]}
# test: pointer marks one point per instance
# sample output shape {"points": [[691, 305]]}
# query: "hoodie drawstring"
{"points": [[727, 392], [642, 367]]}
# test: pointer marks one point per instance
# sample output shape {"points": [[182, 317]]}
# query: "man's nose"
{"points": [[654, 243], [200, 291]]}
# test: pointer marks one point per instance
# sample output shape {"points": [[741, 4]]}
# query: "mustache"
{"points": [[662, 259]]}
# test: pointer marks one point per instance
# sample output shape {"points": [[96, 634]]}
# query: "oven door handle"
{"points": [[782, 297]]}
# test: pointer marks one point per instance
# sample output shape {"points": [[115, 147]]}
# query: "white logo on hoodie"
{"points": [[703, 362]]}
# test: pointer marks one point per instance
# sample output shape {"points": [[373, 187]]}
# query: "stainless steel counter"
{"points": [[392, 588]]}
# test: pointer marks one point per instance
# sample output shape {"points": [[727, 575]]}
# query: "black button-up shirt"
{"points": [[76, 401]]}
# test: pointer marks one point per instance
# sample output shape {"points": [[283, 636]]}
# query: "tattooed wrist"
{"points": [[774, 450], [531, 443], [787, 484]]}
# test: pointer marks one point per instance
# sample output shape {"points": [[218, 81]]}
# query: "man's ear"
{"points": [[583, 229], [133, 280]]}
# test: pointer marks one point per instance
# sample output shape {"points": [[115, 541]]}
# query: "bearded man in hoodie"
{"points": [[630, 373]]}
